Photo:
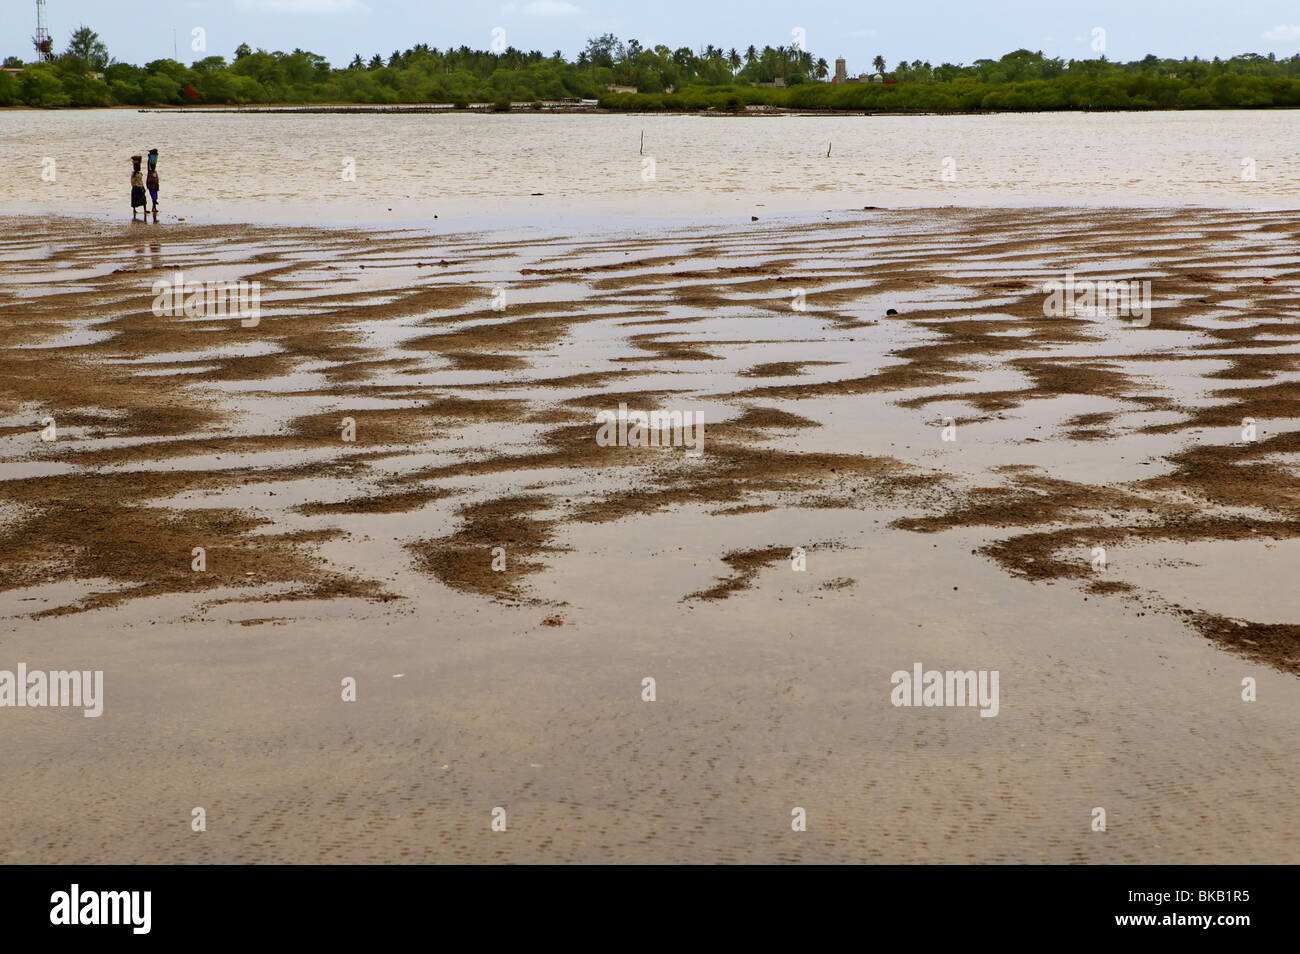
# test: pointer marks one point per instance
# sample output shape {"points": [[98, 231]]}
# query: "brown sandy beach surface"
{"points": [[830, 356]]}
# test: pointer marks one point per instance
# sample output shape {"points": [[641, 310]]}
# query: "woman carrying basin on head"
{"points": [[151, 181], [137, 188]]}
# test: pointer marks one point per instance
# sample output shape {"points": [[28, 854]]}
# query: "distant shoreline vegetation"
{"points": [[629, 77], [972, 96]]}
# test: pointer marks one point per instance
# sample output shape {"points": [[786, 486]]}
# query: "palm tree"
{"points": [[822, 69], [879, 64], [751, 55], [791, 57], [733, 59]]}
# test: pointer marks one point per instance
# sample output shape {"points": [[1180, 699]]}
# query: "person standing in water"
{"points": [[151, 181], [137, 188]]}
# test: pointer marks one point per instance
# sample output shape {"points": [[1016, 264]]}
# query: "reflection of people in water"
{"points": [[137, 188], [149, 256], [151, 181]]}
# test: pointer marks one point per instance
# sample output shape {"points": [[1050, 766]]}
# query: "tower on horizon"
{"points": [[44, 45]]}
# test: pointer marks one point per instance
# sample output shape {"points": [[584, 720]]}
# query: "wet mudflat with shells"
{"points": [[393, 475]]}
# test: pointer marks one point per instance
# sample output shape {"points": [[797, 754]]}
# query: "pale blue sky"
{"points": [[940, 30]]}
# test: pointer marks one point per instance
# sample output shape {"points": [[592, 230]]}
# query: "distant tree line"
{"points": [[664, 79]]}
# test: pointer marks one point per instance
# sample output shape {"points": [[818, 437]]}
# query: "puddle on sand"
{"points": [[1242, 579]]}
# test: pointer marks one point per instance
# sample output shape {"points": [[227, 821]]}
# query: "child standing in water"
{"points": [[151, 181], [137, 188]]}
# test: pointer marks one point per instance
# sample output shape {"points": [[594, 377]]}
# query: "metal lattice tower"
{"points": [[44, 45]]}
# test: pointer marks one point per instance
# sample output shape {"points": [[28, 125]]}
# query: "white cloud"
{"points": [[1282, 33], [302, 6]]}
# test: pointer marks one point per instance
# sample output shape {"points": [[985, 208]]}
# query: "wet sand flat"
{"points": [[394, 476]]}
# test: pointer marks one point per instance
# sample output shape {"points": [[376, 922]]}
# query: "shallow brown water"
{"points": [[404, 168]]}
